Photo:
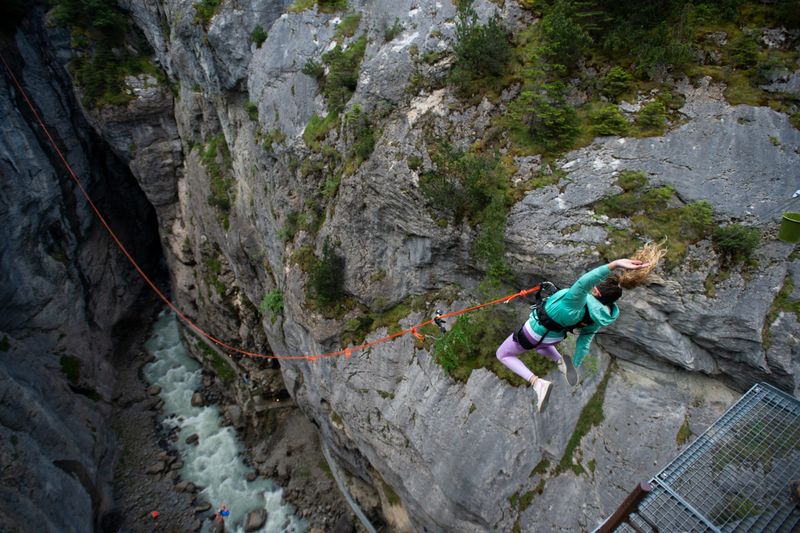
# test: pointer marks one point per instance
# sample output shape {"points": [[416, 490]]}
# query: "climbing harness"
{"points": [[546, 321]]}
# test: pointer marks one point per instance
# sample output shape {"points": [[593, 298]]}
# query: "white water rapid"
{"points": [[214, 463]]}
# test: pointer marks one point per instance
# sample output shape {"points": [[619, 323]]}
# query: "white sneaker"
{"points": [[566, 368], [542, 388]]}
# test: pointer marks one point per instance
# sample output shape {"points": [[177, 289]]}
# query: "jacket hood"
{"points": [[600, 312]]}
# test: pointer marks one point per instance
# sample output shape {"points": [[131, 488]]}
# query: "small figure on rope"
{"points": [[588, 304], [439, 321]]}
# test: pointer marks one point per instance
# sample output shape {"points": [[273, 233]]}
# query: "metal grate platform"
{"points": [[734, 477]]}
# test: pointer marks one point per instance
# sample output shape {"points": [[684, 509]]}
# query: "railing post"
{"points": [[631, 504]]}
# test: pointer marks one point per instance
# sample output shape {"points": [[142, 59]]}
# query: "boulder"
{"points": [[156, 468], [197, 400], [154, 390], [234, 414], [343, 525], [194, 438], [255, 520]]}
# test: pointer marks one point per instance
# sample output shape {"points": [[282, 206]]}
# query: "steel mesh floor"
{"points": [[733, 477]]}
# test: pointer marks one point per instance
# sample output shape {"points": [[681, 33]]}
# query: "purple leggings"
{"points": [[508, 353]]}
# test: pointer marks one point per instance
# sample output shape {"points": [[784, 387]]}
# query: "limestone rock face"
{"points": [[454, 454], [243, 203]]}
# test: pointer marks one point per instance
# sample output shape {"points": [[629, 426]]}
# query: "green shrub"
{"points": [[481, 51], [217, 160], [258, 36], [272, 303], [713, 12], [474, 187], [654, 35], [663, 48], [213, 268], [331, 6], [390, 32], [464, 184], [363, 138], [564, 39], [104, 51], [289, 229], [314, 69], [652, 117], [343, 70], [348, 26], [630, 180], [489, 247], [220, 366], [317, 128], [550, 120], [615, 83], [273, 136], [635, 201], [783, 302], [743, 51], [101, 16], [205, 11], [696, 220], [608, 120], [795, 120], [252, 110], [331, 185], [327, 276], [736, 243]]}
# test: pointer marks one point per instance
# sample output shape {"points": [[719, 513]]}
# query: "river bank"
{"points": [[149, 467]]}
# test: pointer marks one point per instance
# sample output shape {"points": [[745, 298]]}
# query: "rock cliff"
{"points": [[249, 184], [68, 293]]}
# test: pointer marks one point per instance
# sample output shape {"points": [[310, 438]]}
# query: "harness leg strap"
{"points": [[521, 338]]}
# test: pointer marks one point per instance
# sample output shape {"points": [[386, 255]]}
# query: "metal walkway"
{"points": [[732, 478]]}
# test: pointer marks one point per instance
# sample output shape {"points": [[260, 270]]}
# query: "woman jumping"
{"points": [[588, 305]]}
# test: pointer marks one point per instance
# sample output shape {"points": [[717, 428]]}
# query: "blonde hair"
{"points": [[649, 253]]}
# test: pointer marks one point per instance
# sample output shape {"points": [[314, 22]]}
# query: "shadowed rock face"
{"points": [[64, 287], [456, 455]]}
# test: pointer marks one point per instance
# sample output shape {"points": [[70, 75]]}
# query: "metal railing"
{"points": [[734, 477]]}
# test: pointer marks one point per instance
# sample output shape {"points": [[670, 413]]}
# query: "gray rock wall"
{"points": [[65, 287], [454, 454], [458, 456]]}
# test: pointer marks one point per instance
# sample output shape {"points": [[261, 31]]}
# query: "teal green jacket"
{"points": [[567, 307]]}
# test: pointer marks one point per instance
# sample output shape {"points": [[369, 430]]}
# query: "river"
{"points": [[215, 462]]}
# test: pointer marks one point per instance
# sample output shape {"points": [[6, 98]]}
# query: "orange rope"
{"points": [[347, 352]]}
